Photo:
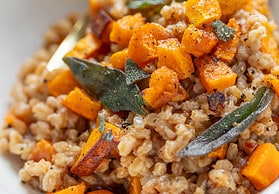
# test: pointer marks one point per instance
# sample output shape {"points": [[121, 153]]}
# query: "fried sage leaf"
{"points": [[230, 126], [133, 72], [222, 31], [144, 4], [107, 84]]}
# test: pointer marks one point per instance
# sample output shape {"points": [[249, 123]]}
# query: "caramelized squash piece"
{"points": [[198, 41], [172, 55], [99, 144], [17, 122], [259, 5], [101, 22], [123, 28], [231, 6], [76, 189], [203, 12], [42, 150], [219, 152], [134, 185], [262, 167], [118, 59], [82, 104], [142, 47], [101, 191], [63, 83], [94, 6], [226, 50], [164, 86], [85, 47], [272, 80], [214, 74]]}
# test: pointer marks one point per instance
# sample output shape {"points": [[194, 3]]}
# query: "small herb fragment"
{"points": [[102, 122], [108, 136], [229, 126], [107, 84], [134, 73], [223, 32]]}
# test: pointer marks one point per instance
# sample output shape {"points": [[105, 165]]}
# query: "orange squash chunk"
{"points": [[164, 86], [118, 59], [42, 150], [262, 167], [142, 47], [97, 147], [134, 185], [79, 102], [94, 6], [85, 47], [273, 80], [172, 55], [123, 28], [101, 191], [214, 74], [198, 41], [219, 152], [19, 122], [76, 189], [231, 6], [63, 83], [200, 12], [226, 50]]}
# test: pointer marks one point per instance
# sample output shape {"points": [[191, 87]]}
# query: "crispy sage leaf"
{"points": [[133, 72], [144, 4], [230, 126], [107, 84], [223, 32]]}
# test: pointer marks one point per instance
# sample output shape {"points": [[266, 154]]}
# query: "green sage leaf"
{"points": [[134, 73], [145, 4], [223, 32], [107, 84], [230, 126]]}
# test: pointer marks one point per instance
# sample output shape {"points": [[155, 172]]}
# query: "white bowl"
{"points": [[23, 23]]}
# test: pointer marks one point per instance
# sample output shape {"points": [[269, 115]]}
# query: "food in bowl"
{"points": [[156, 97]]}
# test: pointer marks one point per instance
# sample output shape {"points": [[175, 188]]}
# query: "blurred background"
{"points": [[23, 24]]}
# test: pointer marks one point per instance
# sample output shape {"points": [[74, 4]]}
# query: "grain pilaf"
{"points": [[190, 74]]}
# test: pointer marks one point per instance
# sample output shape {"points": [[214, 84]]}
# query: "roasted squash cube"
{"points": [[142, 47], [198, 41], [75, 189], [85, 47], [123, 28], [214, 74], [82, 104], [231, 6], [172, 55], [118, 59], [227, 50], [99, 144], [63, 83], [42, 150], [262, 167], [164, 86], [203, 12]]}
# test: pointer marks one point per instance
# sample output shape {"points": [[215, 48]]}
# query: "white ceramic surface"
{"points": [[23, 23]]}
